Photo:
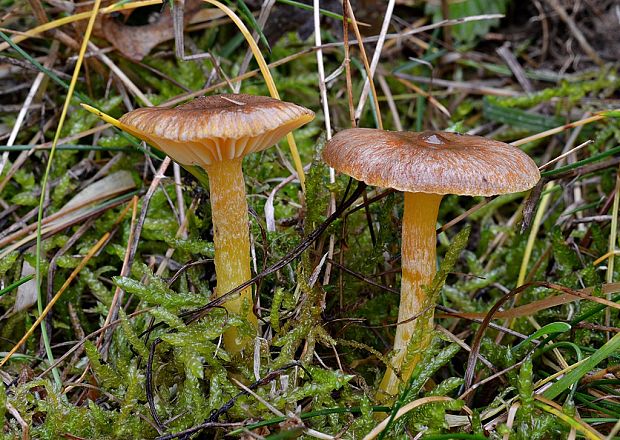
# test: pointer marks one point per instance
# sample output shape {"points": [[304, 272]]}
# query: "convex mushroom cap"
{"points": [[431, 162], [213, 128]]}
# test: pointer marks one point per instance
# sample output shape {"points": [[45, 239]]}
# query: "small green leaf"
{"points": [[555, 328]]}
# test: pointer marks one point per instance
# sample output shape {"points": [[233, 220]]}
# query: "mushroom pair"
{"points": [[425, 166], [215, 133]]}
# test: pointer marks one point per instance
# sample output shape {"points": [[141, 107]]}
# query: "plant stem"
{"points": [[229, 211], [418, 255]]}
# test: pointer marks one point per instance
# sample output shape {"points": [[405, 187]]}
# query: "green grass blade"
{"points": [[592, 311], [519, 118], [612, 346], [48, 168], [16, 284], [582, 162], [245, 11], [561, 344]]}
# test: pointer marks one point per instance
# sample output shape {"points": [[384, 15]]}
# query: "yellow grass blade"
{"points": [[404, 410], [268, 80], [107, 118]]}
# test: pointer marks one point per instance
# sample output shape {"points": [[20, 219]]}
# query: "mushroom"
{"points": [[425, 166], [214, 133]]}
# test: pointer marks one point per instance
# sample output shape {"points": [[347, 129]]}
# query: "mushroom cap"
{"points": [[215, 128], [431, 162]]}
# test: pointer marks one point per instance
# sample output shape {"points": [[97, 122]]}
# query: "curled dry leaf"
{"points": [[135, 42]]}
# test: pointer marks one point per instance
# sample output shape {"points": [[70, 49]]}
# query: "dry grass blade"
{"points": [[403, 411], [375, 58], [492, 313], [369, 72], [327, 118], [271, 85], [559, 129], [427, 95], [91, 252], [553, 301], [118, 293], [86, 203]]}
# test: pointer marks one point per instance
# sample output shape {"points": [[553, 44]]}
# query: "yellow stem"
{"points": [[418, 255], [229, 211]]}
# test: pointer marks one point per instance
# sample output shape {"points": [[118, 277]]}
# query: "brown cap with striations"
{"points": [[431, 162], [215, 128]]}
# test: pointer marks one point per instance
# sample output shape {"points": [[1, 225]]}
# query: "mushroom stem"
{"points": [[418, 255], [229, 214]]}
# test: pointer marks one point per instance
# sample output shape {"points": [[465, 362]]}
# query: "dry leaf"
{"points": [[136, 42]]}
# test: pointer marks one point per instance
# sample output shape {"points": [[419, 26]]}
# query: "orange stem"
{"points": [[418, 255]]}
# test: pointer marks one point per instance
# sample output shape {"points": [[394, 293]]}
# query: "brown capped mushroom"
{"points": [[425, 166], [215, 133]]}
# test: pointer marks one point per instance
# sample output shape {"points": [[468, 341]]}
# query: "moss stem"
{"points": [[229, 212], [418, 255]]}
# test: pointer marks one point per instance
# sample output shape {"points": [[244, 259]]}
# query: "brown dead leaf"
{"points": [[136, 42]]}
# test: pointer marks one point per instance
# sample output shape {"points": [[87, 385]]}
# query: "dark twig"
{"points": [[372, 200], [186, 433], [361, 277], [150, 397], [530, 204], [199, 313], [186, 266]]}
